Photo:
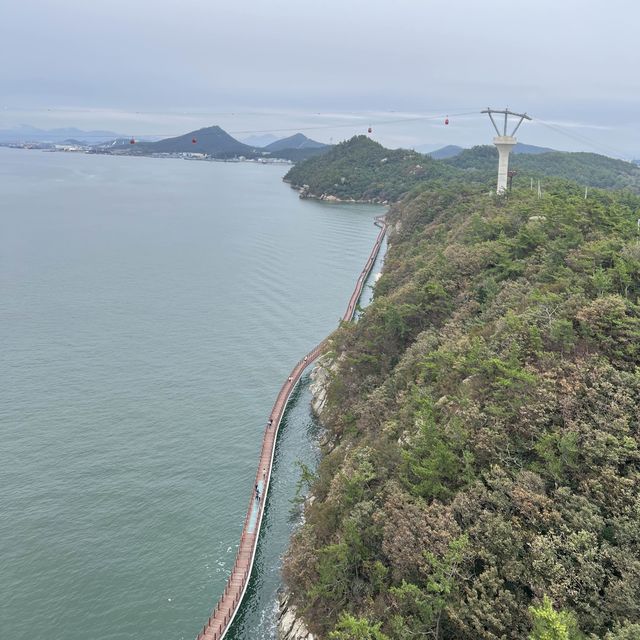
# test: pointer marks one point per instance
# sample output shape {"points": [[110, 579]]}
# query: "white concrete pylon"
{"points": [[504, 144]]}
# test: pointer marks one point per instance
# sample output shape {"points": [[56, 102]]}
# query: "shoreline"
{"points": [[228, 605], [161, 156], [305, 194]]}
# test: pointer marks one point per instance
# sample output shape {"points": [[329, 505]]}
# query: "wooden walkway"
{"points": [[224, 612]]}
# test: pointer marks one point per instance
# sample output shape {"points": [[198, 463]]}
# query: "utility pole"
{"points": [[504, 143]]}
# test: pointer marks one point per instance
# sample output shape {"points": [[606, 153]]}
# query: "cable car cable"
{"points": [[598, 146]]}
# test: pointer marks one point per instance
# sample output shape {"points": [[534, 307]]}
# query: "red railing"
{"points": [[226, 608]]}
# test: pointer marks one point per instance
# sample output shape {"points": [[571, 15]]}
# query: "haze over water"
{"points": [[149, 312]]}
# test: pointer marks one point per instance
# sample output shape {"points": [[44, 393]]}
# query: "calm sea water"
{"points": [[149, 312]]}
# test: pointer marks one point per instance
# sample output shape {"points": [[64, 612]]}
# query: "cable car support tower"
{"points": [[504, 143]]}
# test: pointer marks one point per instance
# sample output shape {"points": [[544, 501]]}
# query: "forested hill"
{"points": [[361, 169], [481, 477], [588, 169], [211, 140]]}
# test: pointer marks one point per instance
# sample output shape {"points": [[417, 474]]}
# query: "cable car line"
{"points": [[598, 146], [445, 118], [319, 127]]}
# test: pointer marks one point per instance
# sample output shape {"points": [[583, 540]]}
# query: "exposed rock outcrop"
{"points": [[320, 378], [290, 625], [306, 193]]}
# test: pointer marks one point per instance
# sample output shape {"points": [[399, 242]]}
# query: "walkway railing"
{"points": [[225, 610]]}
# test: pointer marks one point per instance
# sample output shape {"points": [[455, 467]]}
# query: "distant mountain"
{"points": [[530, 149], [585, 168], [210, 140], [27, 133], [449, 151], [426, 148], [297, 141], [120, 142], [452, 150], [297, 155], [215, 142], [260, 141], [123, 145]]}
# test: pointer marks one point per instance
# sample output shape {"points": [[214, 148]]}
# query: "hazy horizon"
{"points": [[329, 71], [253, 138]]}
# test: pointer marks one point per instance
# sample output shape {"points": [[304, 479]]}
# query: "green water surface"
{"points": [[149, 312]]}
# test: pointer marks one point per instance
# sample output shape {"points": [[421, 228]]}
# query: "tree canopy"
{"points": [[481, 477], [363, 170]]}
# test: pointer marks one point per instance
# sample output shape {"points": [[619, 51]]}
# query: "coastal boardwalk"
{"points": [[221, 617]]}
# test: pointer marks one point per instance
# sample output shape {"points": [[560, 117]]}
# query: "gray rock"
{"points": [[290, 625], [320, 378]]}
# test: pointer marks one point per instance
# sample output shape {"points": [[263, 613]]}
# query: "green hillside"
{"points": [[584, 168], [480, 477], [361, 169], [298, 155], [453, 150]]}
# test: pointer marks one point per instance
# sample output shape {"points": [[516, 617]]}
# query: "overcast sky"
{"points": [[330, 68]]}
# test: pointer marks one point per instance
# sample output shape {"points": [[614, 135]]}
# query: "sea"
{"points": [[150, 309]]}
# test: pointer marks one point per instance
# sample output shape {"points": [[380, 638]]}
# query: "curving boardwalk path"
{"points": [[224, 612]]}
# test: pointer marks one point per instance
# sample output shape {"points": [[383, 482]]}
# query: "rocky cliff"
{"points": [[290, 625]]}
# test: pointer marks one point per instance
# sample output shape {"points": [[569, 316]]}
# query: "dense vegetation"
{"points": [[298, 155], [361, 169], [481, 475], [584, 168]]}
